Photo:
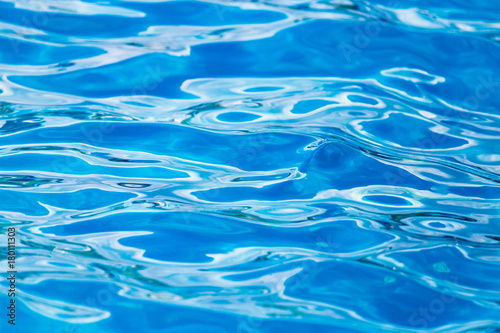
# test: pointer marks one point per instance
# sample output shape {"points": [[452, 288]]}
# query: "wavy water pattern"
{"points": [[252, 166]]}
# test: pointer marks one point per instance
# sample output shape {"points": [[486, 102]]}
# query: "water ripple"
{"points": [[252, 166]]}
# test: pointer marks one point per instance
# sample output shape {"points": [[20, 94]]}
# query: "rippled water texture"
{"points": [[251, 166]]}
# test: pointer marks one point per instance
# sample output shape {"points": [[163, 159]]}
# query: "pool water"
{"points": [[251, 166]]}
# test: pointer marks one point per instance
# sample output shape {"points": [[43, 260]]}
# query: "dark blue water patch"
{"points": [[262, 89], [449, 264], [263, 151], [387, 200], [322, 55], [339, 166], [20, 124], [152, 316], [19, 52], [166, 73], [362, 99], [411, 132], [310, 105], [156, 75], [437, 225], [237, 117], [204, 234], [27, 204], [375, 293], [210, 60], [483, 192], [357, 51], [76, 165], [475, 89]]}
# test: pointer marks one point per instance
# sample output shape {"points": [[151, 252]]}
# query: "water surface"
{"points": [[251, 166]]}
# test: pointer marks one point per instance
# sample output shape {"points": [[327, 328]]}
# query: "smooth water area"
{"points": [[251, 166]]}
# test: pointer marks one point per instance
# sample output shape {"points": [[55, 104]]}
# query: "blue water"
{"points": [[251, 166]]}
